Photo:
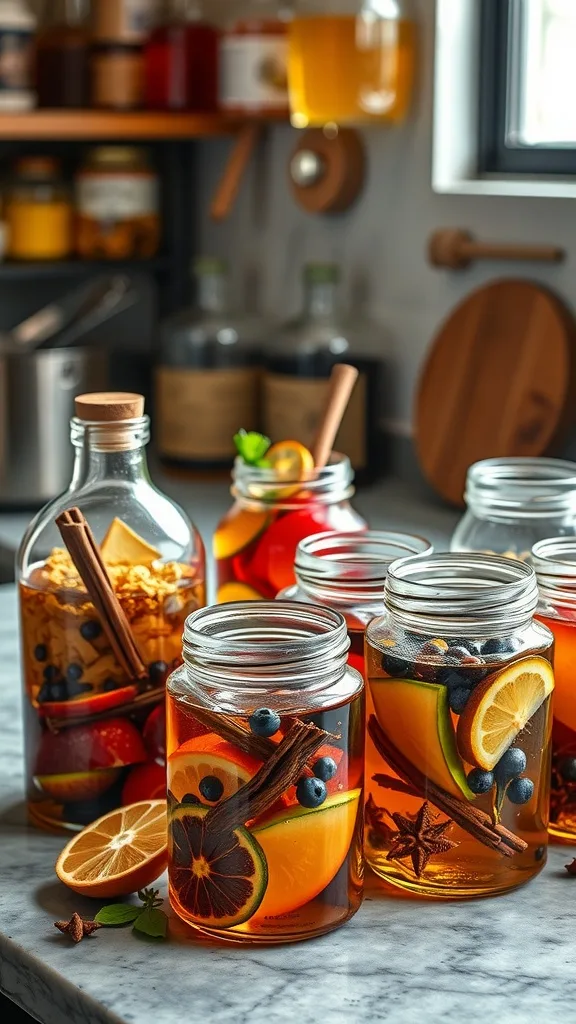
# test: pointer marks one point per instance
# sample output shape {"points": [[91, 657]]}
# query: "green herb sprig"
{"points": [[148, 919], [252, 447]]}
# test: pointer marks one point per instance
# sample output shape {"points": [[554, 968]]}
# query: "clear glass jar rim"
{"points": [[532, 486], [260, 484], [554, 561], [447, 592]]}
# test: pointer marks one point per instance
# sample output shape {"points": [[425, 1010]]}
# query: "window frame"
{"points": [[494, 155]]}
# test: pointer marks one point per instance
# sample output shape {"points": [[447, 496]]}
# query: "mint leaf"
{"points": [[118, 913], [152, 922], [251, 446]]}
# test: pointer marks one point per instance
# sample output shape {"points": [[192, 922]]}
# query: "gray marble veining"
{"points": [[400, 960]]}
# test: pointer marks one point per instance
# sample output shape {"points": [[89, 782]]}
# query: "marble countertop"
{"points": [[400, 960]]}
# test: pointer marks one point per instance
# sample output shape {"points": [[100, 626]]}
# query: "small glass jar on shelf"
{"points": [[117, 205], [107, 574], [181, 60], [351, 61], [17, 31], [514, 502], [39, 212], [254, 61], [62, 56], [119, 31], [265, 774], [458, 756]]}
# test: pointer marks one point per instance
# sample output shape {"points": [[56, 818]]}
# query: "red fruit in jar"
{"points": [[154, 734], [274, 557], [112, 743], [144, 782], [88, 705], [78, 785]]}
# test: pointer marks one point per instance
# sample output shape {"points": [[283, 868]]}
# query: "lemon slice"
{"points": [[500, 708], [290, 461]]}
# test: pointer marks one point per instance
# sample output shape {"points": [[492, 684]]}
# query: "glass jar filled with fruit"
{"points": [[265, 773], [107, 574], [555, 563], [279, 498], [347, 572], [512, 503], [458, 759]]}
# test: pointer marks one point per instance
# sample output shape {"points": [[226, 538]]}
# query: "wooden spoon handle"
{"points": [[342, 381]]}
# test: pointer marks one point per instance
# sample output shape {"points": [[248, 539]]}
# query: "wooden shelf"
{"points": [[104, 124]]}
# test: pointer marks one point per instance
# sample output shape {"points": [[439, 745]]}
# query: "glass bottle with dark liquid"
{"points": [[62, 64], [181, 60]]}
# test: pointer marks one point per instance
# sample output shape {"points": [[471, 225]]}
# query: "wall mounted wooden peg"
{"points": [[327, 170], [456, 249]]}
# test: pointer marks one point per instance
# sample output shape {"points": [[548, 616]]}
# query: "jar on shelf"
{"points": [[298, 361], [181, 60], [107, 575], [255, 543], [266, 765], [39, 212], [208, 378], [457, 762], [514, 502], [254, 59], [554, 561], [17, 29], [117, 204], [347, 572], [62, 56], [351, 61], [120, 29]]}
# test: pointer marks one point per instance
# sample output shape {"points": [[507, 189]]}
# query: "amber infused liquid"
{"points": [[350, 69], [563, 790]]}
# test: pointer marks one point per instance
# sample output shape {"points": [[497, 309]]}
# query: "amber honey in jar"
{"points": [[117, 205], [39, 211], [97, 646]]}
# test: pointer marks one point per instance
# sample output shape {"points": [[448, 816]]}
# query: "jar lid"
{"points": [[207, 265], [322, 273], [114, 156], [37, 167], [109, 406]]}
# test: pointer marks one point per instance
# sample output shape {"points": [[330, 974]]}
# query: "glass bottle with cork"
{"points": [[254, 59], [62, 56], [181, 60], [107, 574], [298, 361], [207, 382]]}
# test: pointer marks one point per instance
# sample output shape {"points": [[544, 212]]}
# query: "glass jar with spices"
{"points": [[254, 61], [117, 205], [265, 774], [514, 502], [120, 29], [39, 212]]}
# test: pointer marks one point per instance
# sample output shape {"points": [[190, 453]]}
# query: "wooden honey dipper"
{"points": [[342, 381]]}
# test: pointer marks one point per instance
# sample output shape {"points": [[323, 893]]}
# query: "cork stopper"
{"points": [[109, 406]]}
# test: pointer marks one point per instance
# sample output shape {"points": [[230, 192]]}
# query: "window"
{"points": [[528, 87]]}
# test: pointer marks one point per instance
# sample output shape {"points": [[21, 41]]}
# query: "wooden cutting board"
{"points": [[499, 380]]}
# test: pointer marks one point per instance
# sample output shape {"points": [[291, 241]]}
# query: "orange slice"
{"points": [[122, 852], [220, 760], [234, 591], [290, 460], [500, 708], [238, 529]]}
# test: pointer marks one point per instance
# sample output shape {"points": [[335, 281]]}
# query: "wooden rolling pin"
{"points": [[456, 249]]}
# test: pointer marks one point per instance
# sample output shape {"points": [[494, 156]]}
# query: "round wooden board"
{"points": [[498, 380]]}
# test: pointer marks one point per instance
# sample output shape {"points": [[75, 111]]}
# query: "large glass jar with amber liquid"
{"points": [[458, 759], [107, 574], [265, 774]]}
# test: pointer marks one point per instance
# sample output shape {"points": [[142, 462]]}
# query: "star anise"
{"points": [[419, 837], [76, 928], [571, 867]]}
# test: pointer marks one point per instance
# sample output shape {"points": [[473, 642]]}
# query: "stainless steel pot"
{"points": [[37, 391]]}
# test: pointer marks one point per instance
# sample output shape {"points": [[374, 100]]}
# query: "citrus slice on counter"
{"points": [[201, 759], [118, 854], [217, 878], [237, 530], [305, 849], [500, 708], [234, 591]]}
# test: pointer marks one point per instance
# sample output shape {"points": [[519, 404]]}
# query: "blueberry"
{"points": [[211, 788], [74, 672], [44, 693], [77, 689], [451, 678], [311, 792], [511, 764], [40, 652], [467, 645], [480, 781], [325, 768], [109, 685], [58, 691], [500, 645], [51, 673], [157, 671], [190, 798], [568, 769], [264, 722], [458, 699], [539, 853], [90, 630], [520, 791]]}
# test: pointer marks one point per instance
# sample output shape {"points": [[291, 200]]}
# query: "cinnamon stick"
{"points": [[275, 776], [473, 820], [84, 552], [342, 381]]}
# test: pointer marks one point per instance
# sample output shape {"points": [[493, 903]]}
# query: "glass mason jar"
{"points": [[347, 572], [39, 211], [512, 503], [265, 774], [458, 759], [255, 543], [555, 563], [95, 731]]}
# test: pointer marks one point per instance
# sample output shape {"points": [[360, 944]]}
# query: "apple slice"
{"points": [[122, 546]]}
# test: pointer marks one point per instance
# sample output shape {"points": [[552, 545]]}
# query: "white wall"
{"points": [[382, 240]]}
